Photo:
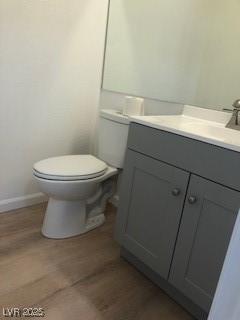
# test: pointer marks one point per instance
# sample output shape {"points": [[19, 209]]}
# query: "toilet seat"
{"points": [[70, 168]]}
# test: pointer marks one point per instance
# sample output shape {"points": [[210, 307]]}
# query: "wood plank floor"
{"points": [[79, 278]]}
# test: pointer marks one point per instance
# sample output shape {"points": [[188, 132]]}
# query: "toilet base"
{"points": [[65, 219]]}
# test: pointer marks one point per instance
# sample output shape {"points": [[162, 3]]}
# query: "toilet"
{"points": [[79, 186]]}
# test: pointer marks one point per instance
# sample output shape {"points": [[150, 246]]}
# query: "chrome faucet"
{"points": [[234, 121]]}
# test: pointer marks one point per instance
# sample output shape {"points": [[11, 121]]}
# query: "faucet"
{"points": [[234, 121], [236, 106]]}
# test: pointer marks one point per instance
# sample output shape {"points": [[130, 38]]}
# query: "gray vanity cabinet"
{"points": [[178, 204], [208, 219], [150, 214]]}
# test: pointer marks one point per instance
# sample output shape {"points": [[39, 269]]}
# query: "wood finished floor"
{"points": [[79, 278]]}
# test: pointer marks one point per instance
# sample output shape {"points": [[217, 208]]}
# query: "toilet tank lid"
{"points": [[114, 115]]}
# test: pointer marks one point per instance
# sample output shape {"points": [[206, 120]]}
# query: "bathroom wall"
{"points": [[51, 55]]}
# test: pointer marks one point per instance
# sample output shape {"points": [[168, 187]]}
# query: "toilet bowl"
{"points": [[78, 186], [77, 192]]}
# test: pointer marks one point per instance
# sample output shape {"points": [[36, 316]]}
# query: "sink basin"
{"points": [[208, 131]]}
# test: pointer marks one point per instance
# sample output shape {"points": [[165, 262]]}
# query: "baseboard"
{"points": [[21, 202]]}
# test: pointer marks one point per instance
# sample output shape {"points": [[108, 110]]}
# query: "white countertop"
{"points": [[196, 123]]}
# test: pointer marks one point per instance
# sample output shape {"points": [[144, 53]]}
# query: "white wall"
{"points": [[51, 56]]}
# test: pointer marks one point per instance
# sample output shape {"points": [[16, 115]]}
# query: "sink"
{"points": [[207, 130]]}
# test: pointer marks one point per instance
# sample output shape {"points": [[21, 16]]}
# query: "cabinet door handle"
{"points": [[176, 192], [192, 199]]}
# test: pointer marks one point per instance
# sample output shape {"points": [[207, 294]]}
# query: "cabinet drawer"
{"points": [[203, 159]]}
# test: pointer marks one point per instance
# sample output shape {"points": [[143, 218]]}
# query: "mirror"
{"points": [[185, 51]]}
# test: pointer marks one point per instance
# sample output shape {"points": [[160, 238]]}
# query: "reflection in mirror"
{"points": [[178, 51]]}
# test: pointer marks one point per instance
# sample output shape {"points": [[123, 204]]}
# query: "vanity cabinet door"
{"points": [[208, 219], [151, 202]]}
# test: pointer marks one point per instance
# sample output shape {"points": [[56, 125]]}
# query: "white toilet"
{"points": [[79, 186]]}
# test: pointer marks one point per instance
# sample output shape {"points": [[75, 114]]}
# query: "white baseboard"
{"points": [[21, 202]]}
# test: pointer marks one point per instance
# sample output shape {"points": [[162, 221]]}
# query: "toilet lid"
{"points": [[74, 167]]}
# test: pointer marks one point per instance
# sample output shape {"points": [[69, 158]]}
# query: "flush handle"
{"points": [[176, 192], [192, 199]]}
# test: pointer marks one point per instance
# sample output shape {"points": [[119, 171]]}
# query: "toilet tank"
{"points": [[112, 137]]}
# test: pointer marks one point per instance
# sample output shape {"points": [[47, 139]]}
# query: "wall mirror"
{"points": [[184, 51]]}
